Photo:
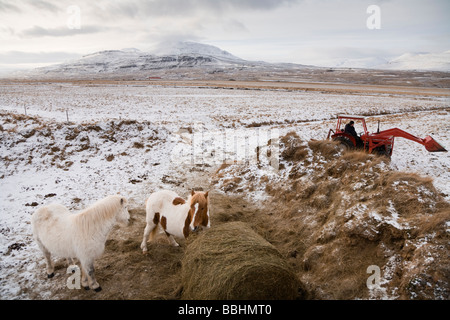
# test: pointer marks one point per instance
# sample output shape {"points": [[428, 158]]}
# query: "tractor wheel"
{"points": [[345, 143]]}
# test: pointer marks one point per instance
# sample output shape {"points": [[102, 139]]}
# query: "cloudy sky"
{"points": [[320, 32]]}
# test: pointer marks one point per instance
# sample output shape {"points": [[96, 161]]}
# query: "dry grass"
{"points": [[327, 149], [293, 148], [338, 213]]}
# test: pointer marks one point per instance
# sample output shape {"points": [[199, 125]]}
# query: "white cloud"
{"points": [[19, 57], [37, 31]]}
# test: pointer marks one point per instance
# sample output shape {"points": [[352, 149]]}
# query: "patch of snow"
{"points": [[171, 111]]}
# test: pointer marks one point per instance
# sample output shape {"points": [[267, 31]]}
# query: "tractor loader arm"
{"points": [[430, 144]]}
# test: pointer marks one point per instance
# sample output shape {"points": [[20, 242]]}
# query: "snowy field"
{"points": [[134, 140]]}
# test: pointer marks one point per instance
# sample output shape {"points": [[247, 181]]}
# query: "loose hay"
{"points": [[232, 262], [335, 213]]}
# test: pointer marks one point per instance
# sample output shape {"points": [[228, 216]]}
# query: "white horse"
{"points": [[82, 235], [176, 216]]}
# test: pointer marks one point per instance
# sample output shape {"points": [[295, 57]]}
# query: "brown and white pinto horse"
{"points": [[177, 217]]}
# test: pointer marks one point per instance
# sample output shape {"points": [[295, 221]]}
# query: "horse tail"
{"points": [[39, 217]]}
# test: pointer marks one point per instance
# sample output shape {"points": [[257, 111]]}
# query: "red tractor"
{"points": [[381, 142]]}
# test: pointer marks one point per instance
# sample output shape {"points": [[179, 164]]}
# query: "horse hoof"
{"points": [[86, 288], [49, 276], [98, 289]]}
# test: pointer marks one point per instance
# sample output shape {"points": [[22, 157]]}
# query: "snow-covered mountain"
{"points": [[405, 62], [360, 63], [132, 61], [193, 48], [420, 61], [194, 60]]}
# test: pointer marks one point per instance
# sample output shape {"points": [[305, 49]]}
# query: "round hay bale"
{"points": [[232, 262]]}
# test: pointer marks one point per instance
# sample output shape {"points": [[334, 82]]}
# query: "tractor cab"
{"points": [[346, 138], [343, 120]]}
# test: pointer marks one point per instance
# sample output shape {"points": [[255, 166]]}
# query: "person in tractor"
{"points": [[350, 129]]}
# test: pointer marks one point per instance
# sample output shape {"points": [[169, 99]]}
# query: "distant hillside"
{"points": [[191, 60], [420, 61], [405, 62], [133, 62]]}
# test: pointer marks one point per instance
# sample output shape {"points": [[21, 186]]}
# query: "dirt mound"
{"points": [[338, 213], [31, 140], [232, 262]]}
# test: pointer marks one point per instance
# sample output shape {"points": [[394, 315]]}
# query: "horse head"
{"points": [[199, 211], [123, 216]]}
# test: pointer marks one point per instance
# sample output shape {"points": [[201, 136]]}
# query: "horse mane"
{"points": [[93, 217]]}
